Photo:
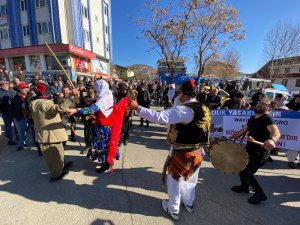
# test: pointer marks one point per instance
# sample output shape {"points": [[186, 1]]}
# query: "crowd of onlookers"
{"points": [[17, 91]]}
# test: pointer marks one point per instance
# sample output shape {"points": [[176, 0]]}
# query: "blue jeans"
{"points": [[21, 126], [8, 120]]}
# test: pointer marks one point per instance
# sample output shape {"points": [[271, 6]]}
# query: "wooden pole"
{"points": [[65, 72]]}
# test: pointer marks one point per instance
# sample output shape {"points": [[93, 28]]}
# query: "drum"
{"points": [[227, 156]]}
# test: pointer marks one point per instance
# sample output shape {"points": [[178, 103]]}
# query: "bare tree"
{"points": [[231, 60], [282, 41], [168, 28], [213, 26]]}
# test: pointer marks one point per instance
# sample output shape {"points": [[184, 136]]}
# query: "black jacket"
{"points": [[5, 101], [143, 98]]}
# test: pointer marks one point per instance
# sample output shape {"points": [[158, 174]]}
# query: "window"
{"points": [[3, 10], [298, 83], [4, 34], [49, 27], [23, 5], [87, 35], [106, 29], [98, 39], [85, 12], [40, 3], [44, 27], [287, 70], [270, 95], [96, 18], [105, 9], [284, 82], [107, 48], [25, 31]]}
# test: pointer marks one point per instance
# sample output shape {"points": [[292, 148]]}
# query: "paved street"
{"points": [[133, 194]]}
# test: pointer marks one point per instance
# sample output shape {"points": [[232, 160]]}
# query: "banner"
{"points": [[227, 122]]}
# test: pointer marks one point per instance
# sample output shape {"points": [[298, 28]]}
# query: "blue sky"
{"points": [[257, 16]]}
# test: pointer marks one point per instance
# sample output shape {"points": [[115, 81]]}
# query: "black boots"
{"points": [[257, 198], [105, 166], [240, 189]]}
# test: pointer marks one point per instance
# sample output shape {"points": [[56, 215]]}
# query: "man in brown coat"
{"points": [[50, 132]]}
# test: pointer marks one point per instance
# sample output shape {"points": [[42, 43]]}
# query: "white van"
{"points": [[270, 92]]}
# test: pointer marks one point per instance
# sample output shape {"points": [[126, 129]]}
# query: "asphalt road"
{"points": [[133, 194]]}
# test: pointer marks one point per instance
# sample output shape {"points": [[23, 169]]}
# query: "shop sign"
{"points": [[82, 65], [81, 52]]}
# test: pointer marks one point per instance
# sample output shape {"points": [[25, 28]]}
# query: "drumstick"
{"points": [[251, 139]]}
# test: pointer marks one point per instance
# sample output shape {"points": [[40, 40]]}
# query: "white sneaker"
{"points": [[164, 204], [190, 209]]}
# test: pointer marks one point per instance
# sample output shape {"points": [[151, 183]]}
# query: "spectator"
{"points": [[21, 76], [62, 99], [20, 114], [16, 84], [159, 94], [35, 80], [60, 81], [230, 87], [4, 75], [88, 120], [55, 90], [124, 92], [213, 99], [6, 96], [280, 102], [238, 102], [294, 104], [255, 98], [143, 100]]}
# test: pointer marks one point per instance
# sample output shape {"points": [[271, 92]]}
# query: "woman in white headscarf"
{"points": [[101, 134]]}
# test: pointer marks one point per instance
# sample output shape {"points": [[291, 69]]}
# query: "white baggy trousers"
{"points": [[181, 191]]}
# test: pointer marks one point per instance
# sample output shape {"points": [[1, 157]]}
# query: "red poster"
{"points": [[2, 63], [82, 65]]}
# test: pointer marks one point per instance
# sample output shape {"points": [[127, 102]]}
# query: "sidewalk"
{"points": [[133, 194]]}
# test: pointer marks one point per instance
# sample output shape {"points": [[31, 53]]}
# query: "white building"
{"points": [[79, 32], [287, 73]]}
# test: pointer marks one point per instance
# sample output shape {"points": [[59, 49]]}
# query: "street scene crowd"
{"points": [[45, 106]]}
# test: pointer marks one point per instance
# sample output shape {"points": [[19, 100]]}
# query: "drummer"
{"points": [[190, 126], [262, 128]]}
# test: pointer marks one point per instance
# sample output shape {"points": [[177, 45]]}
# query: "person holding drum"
{"points": [[263, 134], [189, 131]]}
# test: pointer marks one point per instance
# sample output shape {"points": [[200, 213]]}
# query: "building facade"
{"points": [[143, 72], [287, 73], [78, 31], [163, 70], [220, 69]]}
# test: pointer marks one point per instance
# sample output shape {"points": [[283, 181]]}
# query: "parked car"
{"points": [[270, 92]]}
